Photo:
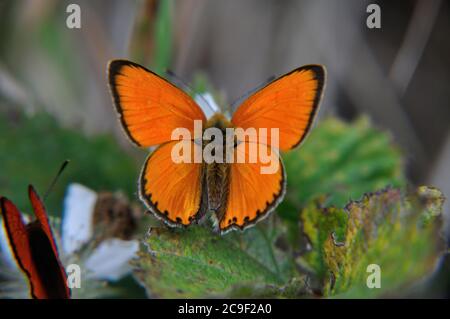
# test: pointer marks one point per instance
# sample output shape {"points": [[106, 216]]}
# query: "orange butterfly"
{"points": [[35, 249], [151, 108]]}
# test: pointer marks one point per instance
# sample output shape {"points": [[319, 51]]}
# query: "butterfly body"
{"points": [[217, 173], [238, 178]]}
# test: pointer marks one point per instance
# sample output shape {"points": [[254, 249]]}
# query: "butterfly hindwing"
{"points": [[172, 190], [255, 188], [288, 103], [149, 107]]}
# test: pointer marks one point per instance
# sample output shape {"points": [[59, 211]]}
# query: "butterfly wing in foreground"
{"points": [[149, 107], [173, 191], [35, 254], [41, 215], [20, 243], [289, 103], [255, 188], [55, 272]]}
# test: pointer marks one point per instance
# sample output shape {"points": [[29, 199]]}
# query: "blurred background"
{"points": [[55, 103]]}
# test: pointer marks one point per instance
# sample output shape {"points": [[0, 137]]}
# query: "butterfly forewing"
{"points": [[149, 107], [288, 104]]}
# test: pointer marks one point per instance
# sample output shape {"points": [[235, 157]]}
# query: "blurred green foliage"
{"points": [[33, 148], [342, 161]]}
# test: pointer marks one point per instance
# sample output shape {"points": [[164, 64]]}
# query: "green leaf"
{"points": [[395, 232], [195, 263], [342, 161]]}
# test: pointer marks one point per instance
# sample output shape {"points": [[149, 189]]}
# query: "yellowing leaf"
{"points": [[394, 232]]}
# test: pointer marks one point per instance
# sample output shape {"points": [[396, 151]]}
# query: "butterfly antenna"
{"points": [[55, 179], [250, 92], [186, 87]]}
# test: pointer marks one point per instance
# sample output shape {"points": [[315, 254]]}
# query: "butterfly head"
{"points": [[219, 121]]}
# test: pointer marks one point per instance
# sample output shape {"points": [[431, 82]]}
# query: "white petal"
{"points": [[110, 260], [207, 103], [79, 205]]}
